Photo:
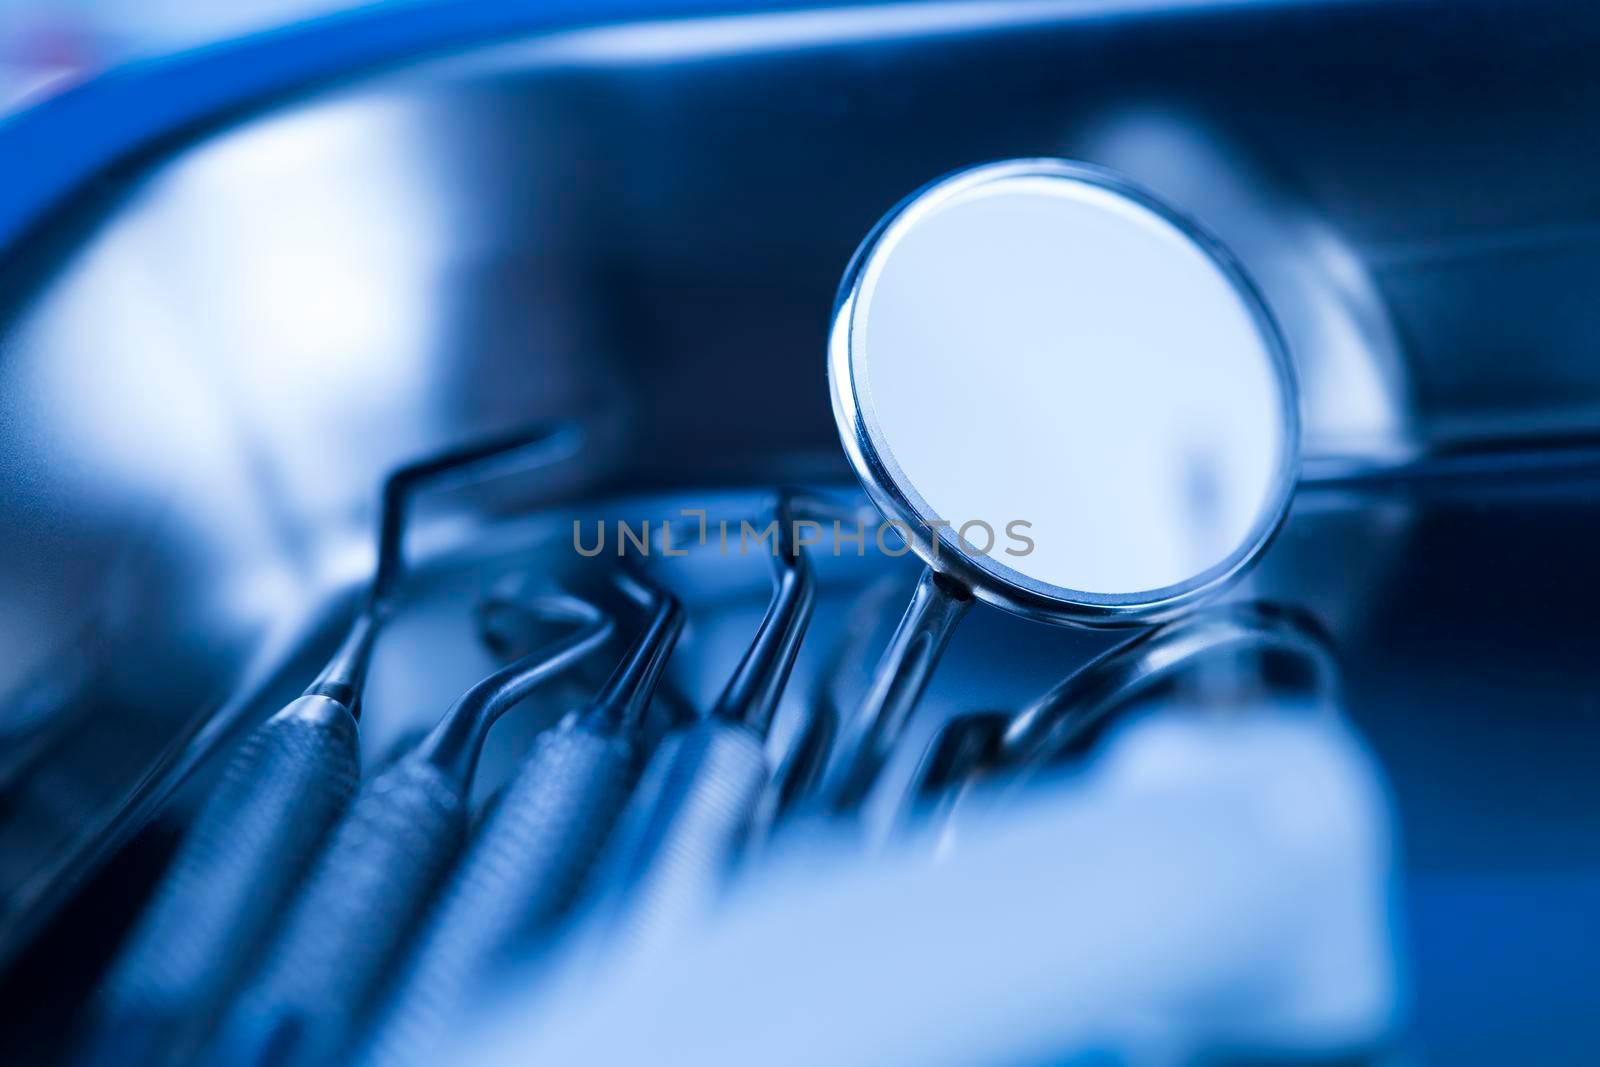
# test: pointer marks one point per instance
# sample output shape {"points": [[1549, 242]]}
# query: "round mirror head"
{"points": [[1071, 397]]}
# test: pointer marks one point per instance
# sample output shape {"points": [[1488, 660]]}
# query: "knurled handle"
{"points": [[519, 874], [674, 849], [237, 867], [351, 922]]}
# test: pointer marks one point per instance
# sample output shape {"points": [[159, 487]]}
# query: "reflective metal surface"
{"points": [[1061, 719], [1070, 397], [1041, 347], [208, 357]]}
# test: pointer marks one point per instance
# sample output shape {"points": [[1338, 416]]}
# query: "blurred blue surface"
{"points": [[1456, 196]]}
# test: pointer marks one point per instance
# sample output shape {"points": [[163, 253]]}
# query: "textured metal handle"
{"points": [[237, 867], [519, 874], [681, 833], [347, 927]]}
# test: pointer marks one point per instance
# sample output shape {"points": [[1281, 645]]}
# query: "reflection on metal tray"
{"points": [[210, 354]]}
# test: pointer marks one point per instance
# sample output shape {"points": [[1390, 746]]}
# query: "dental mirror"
{"points": [[1067, 399]]}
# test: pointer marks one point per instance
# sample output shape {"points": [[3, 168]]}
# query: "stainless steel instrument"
{"points": [[994, 336]]}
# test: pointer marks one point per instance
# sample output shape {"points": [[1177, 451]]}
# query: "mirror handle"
{"points": [[898, 681]]}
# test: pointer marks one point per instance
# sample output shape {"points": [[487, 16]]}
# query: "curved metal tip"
{"points": [[453, 745], [344, 677], [622, 701], [751, 696], [543, 442], [1082, 701]]}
